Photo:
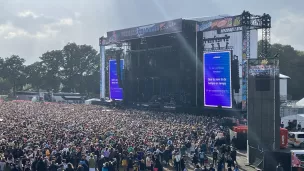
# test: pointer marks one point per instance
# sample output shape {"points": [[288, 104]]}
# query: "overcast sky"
{"points": [[29, 28]]}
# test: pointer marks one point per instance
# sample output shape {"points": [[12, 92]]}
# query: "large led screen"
{"points": [[116, 92], [217, 79]]}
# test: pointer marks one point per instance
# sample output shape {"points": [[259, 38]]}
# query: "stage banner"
{"points": [[217, 79], [167, 27], [116, 92], [263, 67], [223, 23], [245, 54]]}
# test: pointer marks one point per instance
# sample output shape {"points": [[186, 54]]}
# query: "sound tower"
{"points": [[263, 108], [235, 75]]}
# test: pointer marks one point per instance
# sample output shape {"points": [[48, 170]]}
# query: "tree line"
{"points": [[76, 68], [292, 65]]}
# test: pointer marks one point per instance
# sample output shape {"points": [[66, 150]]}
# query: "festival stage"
{"points": [[194, 65]]}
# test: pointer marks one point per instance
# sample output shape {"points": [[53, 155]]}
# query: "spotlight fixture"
{"points": [[227, 43]]}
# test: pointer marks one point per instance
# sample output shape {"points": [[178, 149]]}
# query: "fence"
{"points": [[290, 108]]}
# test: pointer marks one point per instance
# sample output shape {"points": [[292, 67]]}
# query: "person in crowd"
{"points": [[70, 167], [53, 166], [80, 168], [84, 163], [148, 163], [195, 159], [124, 163], [41, 166], [51, 137], [211, 168], [282, 125], [233, 154], [230, 162], [142, 166], [204, 168], [233, 141], [214, 156], [92, 163], [197, 168], [60, 167], [279, 167], [202, 158], [105, 167]]}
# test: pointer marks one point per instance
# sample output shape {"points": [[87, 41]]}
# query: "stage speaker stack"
{"points": [[263, 108], [235, 75]]}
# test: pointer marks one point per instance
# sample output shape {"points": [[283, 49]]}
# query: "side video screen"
{"points": [[217, 79]]}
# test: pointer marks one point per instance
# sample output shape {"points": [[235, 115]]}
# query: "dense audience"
{"points": [[52, 137]]}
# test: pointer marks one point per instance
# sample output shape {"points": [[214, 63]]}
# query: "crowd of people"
{"points": [[70, 137]]}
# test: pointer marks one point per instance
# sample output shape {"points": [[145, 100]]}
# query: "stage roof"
{"points": [[207, 18], [172, 26], [156, 29]]}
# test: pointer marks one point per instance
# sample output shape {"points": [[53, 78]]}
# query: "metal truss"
{"points": [[253, 22]]}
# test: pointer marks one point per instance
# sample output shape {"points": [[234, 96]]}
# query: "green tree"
{"points": [[5, 86], [1, 67], [71, 66], [13, 71], [50, 70], [34, 75], [291, 64], [80, 63]]}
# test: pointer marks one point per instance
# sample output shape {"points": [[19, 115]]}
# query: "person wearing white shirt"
{"points": [[148, 163], [65, 165]]}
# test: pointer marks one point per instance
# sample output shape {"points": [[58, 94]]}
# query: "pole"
{"points": [[102, 72], [274, 91], [245, 82], [196, 74]]}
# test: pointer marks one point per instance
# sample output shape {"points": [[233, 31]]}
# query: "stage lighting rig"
{"points": [[143, 41], [227, 45]]}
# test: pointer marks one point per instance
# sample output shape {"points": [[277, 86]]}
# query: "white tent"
{"points": [[91, 100], [298, 117], [283, 86], [300, 103], [282, 76]]}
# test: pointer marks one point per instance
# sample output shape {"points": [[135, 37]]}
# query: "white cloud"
{"points": [[8, 31], [77, 14], [4, 28], [288, 29], [17, 33], [49, 30], [33, 27], [28, 13], [66, 21]]}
